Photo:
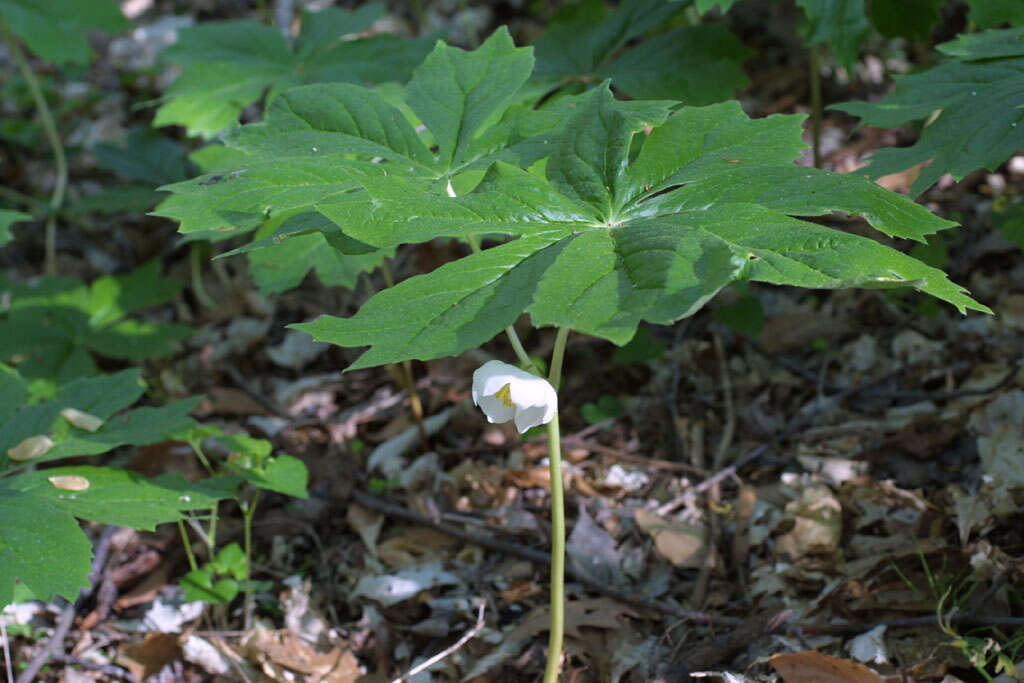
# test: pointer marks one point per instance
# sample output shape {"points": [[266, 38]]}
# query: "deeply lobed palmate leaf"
{"points": [[605, 241], [977, 97]]}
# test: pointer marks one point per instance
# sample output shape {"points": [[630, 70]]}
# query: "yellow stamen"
{"points": [[505, 395]]}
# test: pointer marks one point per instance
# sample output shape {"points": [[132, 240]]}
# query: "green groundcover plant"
{"points": [[596, 214], [972, 103], [84, 417]]}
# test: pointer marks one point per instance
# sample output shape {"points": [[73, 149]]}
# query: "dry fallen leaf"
{"points": [[818, 524], [366, 523], [814, 667], [77, 418], [275, 650], [145, 659], [681, 543], [69, 482], [32, 447]]}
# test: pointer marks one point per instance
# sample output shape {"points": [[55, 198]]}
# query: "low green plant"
{"points": [[51, 328], [228, 65], [970, 105], [989, 650], [84, 417], [251, 468], [695, 64], [618, 212]]}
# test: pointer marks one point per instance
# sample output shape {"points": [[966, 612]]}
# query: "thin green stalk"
{"points": [[556, 630], [557, 356], [248, 513], [50, 128], [815, 76], [188, 546], [196, 272], [517, 346], [211, 534]]}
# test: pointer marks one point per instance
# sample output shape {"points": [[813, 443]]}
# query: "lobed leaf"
{"points": [[605, 242], [229, 65], [56, 30], [979, 121]]}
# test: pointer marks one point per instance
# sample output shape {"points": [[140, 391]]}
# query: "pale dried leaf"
{"points": [[82, 420], [681, 543], [30, 448], [69, 482]]}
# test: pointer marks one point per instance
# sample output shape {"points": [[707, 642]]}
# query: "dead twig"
{"points": [[109, 671], [538, 557], [466, 637], [67, 615]]}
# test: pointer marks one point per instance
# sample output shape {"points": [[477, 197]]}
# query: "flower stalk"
{"points": [[556, 631]]}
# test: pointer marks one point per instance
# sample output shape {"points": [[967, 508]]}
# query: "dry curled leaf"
{"points": [[30, 448], [69, 482], [82, 420]]}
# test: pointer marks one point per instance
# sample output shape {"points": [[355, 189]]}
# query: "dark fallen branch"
{"points": [[110, 671], [775, 623], [538, 557]]}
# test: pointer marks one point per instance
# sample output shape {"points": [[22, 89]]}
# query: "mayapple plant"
{"points": [[616, 213]]}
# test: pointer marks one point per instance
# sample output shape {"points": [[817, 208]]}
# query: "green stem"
{"points": [[557, 356], [211, 535], [517, 346], [188, 546], [196, 272], [248, 513], [815, 76], [557, 628], [50, 128]]}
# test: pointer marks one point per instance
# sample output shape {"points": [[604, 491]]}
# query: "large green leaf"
{"points": [[228, 65], [841, 24], [979, 122], [56, 30], [7, 219], [41, 547], [116, 496], [52, 326], [57, 562], [284, 252], [102, 397], [694, 64], [299, 157], [605, 243]]}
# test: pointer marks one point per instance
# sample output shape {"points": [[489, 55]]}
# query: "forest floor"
{"points": [[825, 486]]}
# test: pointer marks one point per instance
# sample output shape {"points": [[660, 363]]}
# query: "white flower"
{"points": [[504, 392]]}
